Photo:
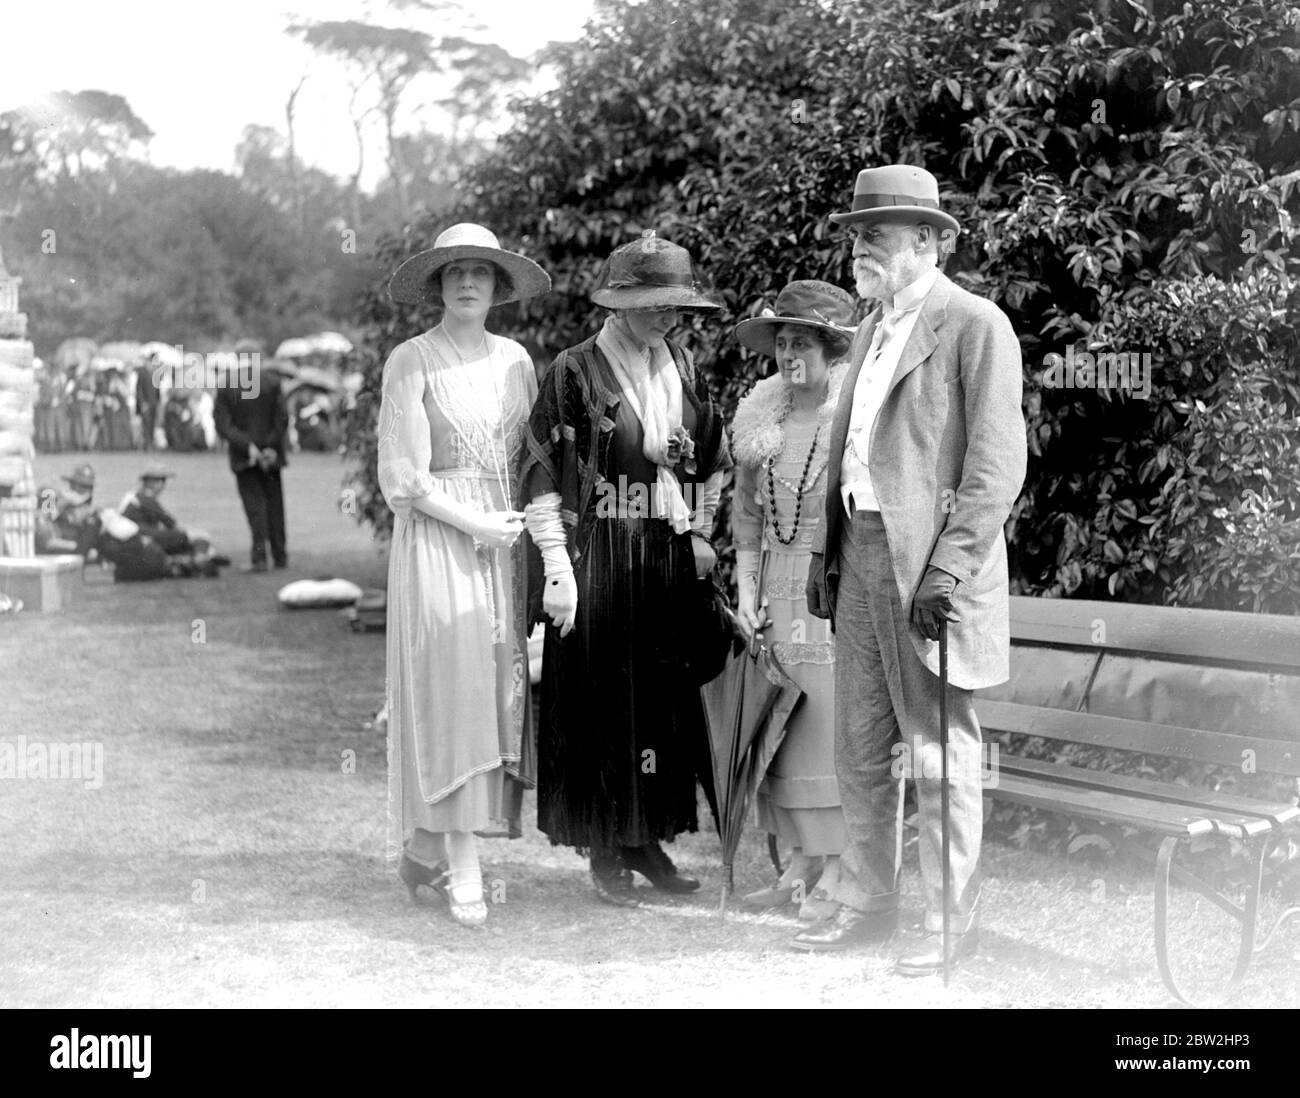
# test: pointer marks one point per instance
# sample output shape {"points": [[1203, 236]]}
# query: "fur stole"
{"points": [[756, 432]]}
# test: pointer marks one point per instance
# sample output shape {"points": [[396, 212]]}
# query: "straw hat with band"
{"points": [[808, 302], [411, 283], [897, 191], [156, 472], [651, 273]]}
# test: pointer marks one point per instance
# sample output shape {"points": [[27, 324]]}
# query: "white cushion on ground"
{"points": [[306, 594]]}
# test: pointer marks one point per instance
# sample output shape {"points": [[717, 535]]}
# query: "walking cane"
{"points": [[943, 786]]}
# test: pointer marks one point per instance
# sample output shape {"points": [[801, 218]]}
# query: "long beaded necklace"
{"points": [[798, 494]]}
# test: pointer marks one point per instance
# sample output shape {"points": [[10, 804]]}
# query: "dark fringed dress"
{"points": [[621, 736]]}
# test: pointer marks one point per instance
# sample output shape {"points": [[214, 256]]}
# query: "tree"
{"points": [[387, 63], [388, 57], [1126, 175], [69, 132]]}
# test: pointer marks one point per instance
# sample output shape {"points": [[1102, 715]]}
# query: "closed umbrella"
{"points": [[748, 708]]}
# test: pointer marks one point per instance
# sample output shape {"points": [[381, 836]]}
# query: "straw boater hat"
{"points": [[651, 273], [411, 285], [808, 302], [156, 472], [897, 190]]}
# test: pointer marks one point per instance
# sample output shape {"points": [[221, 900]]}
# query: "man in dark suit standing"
{"points": [[253, 419]]}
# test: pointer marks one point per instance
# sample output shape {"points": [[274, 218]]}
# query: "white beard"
{"points": [[867, 284]]}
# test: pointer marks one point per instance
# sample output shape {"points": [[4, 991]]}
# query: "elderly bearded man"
{"points": [[927, 457]]}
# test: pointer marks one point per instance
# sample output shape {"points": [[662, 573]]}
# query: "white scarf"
{"points": [[653, 388]]}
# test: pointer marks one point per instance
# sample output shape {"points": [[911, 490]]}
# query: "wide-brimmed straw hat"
{"points": [[808, 302], [410, 283], [897, 190], [651, 273]]}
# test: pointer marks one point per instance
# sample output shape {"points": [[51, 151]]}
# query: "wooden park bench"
{"points": [[1203, 686]]}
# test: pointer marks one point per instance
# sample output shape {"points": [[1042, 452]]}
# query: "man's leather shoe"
{"points": [[657, 868], [848, 929], [256, 566], [927, 958]]}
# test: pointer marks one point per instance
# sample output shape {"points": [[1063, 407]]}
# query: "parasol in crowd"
{"points": [[168, 354], [313, 377], [127, 352], [748, 708], [330, 343], [293, 348], [75, 353]]}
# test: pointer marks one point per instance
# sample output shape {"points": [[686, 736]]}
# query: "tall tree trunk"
{"points": [[396, 166], [295, 183], [354, 187]]}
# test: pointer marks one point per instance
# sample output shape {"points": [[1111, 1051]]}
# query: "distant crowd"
{"points": [[103, 404]]}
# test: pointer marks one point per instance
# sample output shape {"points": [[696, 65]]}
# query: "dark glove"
{"points": [[815, 592], [933, 602]]}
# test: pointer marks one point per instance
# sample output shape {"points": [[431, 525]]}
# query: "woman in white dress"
{"points": [[451, 427], [781, 442]]}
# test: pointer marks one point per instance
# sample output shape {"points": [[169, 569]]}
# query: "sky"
{"points": [[196, 74]]}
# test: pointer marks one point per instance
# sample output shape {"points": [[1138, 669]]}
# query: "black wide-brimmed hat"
{"points": [[808, 302], [651, 273], [410, 282]]}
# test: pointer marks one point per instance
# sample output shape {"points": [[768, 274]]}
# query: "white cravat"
{"points": [[878, 366]]}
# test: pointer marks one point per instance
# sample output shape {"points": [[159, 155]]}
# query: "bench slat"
{"points": [[1166, 819], [1255, 817], [1220, 748], [1220, 635]]}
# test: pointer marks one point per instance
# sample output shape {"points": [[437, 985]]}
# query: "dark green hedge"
{"points": [[1127, 178]]}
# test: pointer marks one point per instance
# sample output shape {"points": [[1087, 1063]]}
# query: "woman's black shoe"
{"points": [[657, 868], [413, 874], [613, 880]]}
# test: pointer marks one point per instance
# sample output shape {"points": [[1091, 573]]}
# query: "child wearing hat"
{"points": [[66, 517]]}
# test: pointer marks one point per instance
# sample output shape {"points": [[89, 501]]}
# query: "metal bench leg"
{"points": [[1248, 915]]}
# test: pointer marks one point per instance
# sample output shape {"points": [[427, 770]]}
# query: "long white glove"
{"points": [[496, 529], [752, 616], [560, 593]]}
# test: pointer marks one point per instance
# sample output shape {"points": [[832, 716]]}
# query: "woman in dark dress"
{"points": [[624, 467]]}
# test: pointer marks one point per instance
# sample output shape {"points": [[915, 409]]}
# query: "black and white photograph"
{"points": [[624, 504]]}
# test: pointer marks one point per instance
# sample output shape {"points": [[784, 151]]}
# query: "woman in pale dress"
{"points": [[781, 442], [451, 426]]}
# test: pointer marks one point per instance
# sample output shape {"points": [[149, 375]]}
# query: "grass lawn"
{"points": [[230, 858]]}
